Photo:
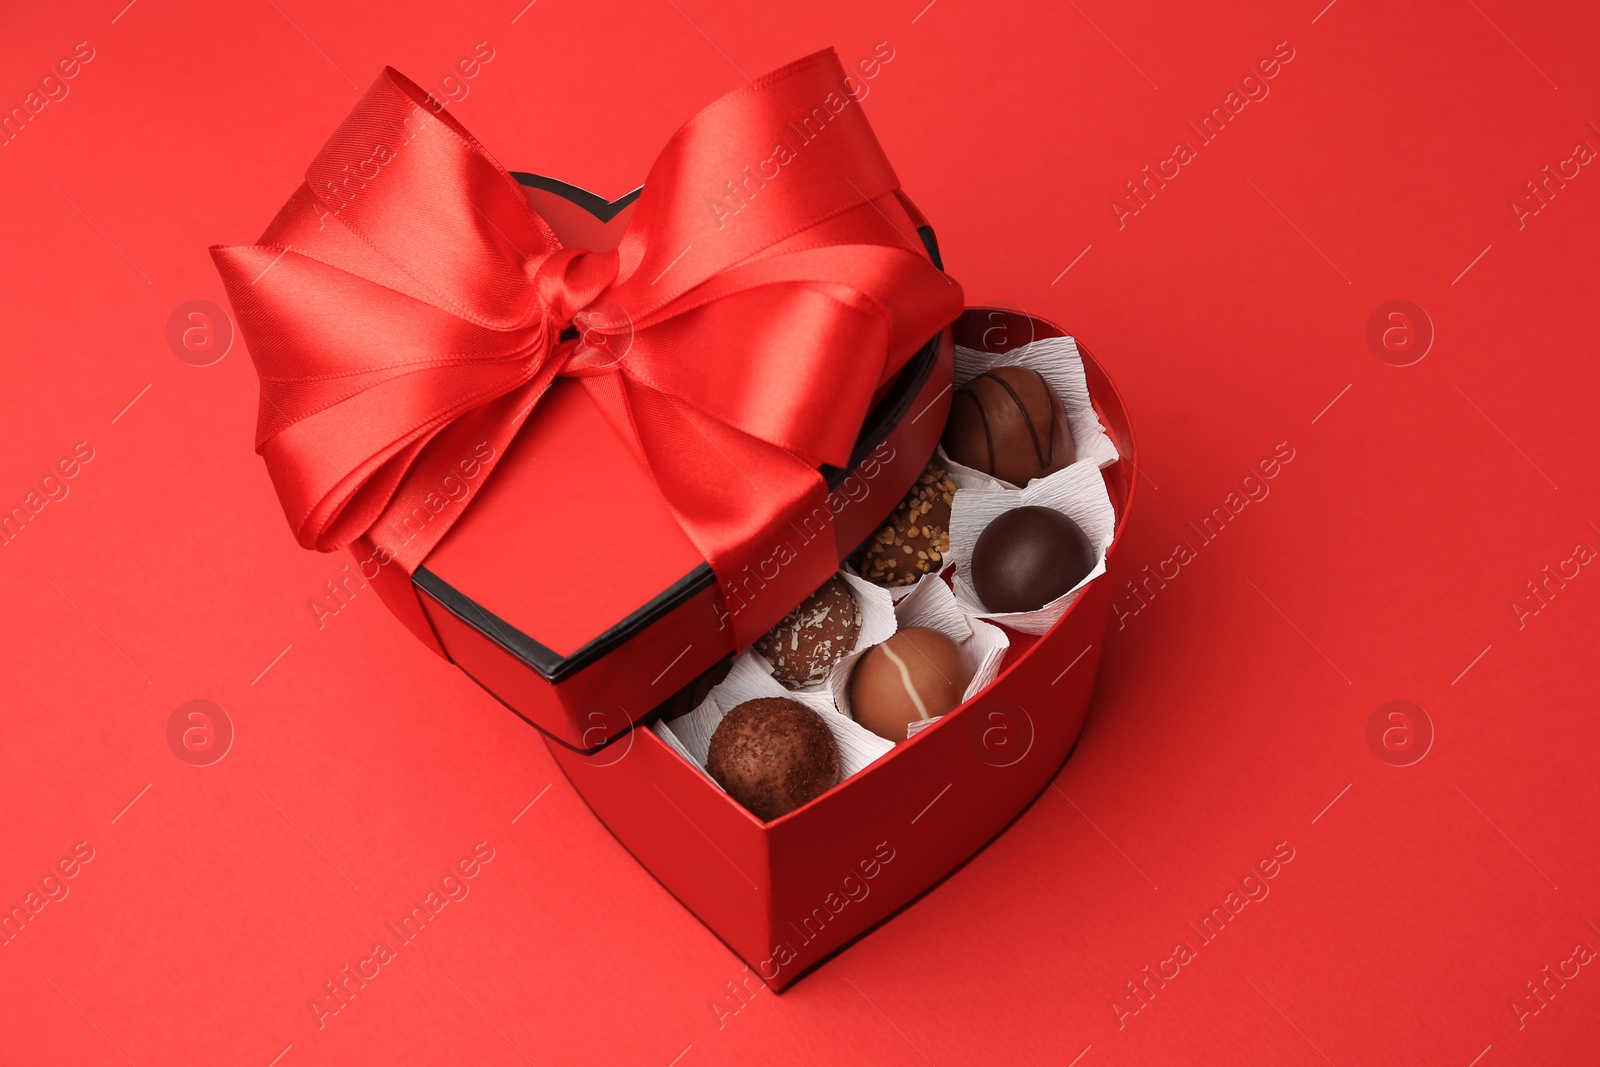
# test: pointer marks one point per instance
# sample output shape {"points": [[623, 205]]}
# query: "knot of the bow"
{"points": [[587, 334]]}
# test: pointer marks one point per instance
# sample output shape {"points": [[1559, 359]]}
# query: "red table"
{"points": [[1439, 910]]}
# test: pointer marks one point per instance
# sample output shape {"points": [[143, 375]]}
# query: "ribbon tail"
{"points": [[447, 472], [442, 477]]}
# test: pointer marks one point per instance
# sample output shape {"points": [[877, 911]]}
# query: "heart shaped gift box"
{"points": [[403, 344]]}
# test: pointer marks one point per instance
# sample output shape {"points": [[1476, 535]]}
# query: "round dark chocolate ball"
{"points": [[1027, 557], [1008, 422], [916, 537], [916, 674], [773, 755], [805, 645]]}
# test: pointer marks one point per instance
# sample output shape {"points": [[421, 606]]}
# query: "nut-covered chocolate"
{"points": [[916, 674], [1008, 422], [773, 755], [805, 645], [915, 539], [1027, 557]]}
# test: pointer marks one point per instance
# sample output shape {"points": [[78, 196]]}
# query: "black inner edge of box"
{"points": [[551, 665]]}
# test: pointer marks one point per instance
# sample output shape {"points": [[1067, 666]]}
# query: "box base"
{"points": [[786, 895]]}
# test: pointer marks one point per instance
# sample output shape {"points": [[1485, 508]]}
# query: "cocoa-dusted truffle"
{"points": [[916, 674], [814, 636], [1027, 557], [773, 755], [916, 537], [1008, 422]]}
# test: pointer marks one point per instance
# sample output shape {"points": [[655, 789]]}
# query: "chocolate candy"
{"points": [[1027, 557], [916, 674], [916, 537], [1007, 422], [814, 636], [773, 755]]}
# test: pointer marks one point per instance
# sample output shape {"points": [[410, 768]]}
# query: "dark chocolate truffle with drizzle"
{"points": [[803, 648], [916, 537], [1027, 557], [1008, 422], [772, 755]]}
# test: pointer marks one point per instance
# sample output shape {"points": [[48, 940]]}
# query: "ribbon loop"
{"points": [[407, 305]]}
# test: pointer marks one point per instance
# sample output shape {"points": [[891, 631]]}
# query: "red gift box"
{"points": [[592, 583], [785, 895]]}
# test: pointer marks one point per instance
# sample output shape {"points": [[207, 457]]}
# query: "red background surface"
{"points": [[1231, 711]]}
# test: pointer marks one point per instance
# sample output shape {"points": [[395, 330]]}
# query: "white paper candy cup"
{"points": [[966, 478], [930, 603], [1057, 361], [1078, 492]]}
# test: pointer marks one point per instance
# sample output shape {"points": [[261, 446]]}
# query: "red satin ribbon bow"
{"points": [[407, 304]]}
